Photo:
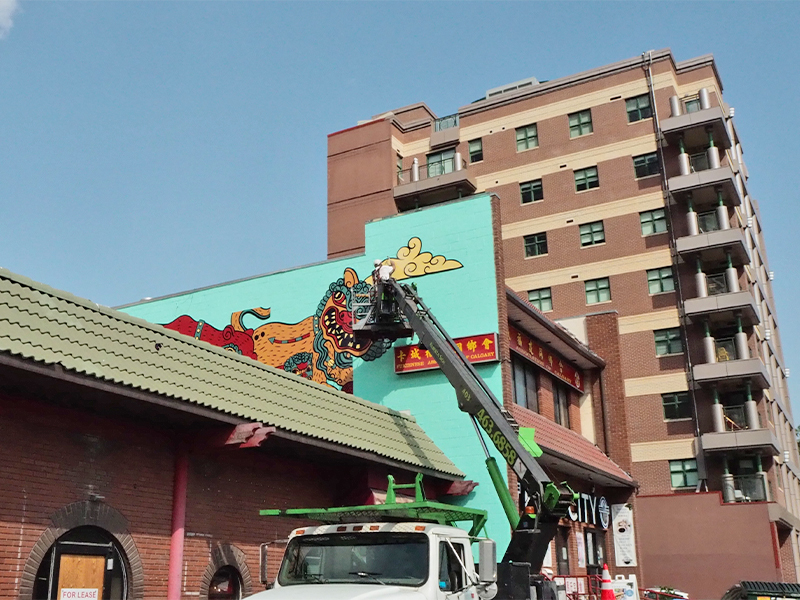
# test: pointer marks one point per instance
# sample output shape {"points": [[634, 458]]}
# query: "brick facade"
{"points": [[67, 467]]}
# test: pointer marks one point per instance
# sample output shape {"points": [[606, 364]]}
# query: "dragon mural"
{"points": [[321, 347]]}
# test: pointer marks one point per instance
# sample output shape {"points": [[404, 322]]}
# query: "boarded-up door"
{"points": [[81, 572]]}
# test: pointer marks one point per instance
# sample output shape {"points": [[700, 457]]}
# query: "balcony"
{"points": [[445, 131], [713, 245], [721, 307], [437, 181], [693, 126], [704, 183], [762, 441], [744, 488], [732, 370]]}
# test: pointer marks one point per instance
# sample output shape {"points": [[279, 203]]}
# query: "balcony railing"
{"points": [[726, 350], [699, 162], [735, 417], [749, 488], [430, 170], [447, 122], [708, 221], [717, 284]]}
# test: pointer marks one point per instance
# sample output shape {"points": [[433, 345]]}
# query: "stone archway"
{"points": [[226, 555], [79, 514]]}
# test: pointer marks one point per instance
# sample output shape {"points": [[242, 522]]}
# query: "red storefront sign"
{"points": [[476, 348], [541, 356]]}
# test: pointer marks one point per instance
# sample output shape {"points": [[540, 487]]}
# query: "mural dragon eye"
{"points": [[339, 299]]}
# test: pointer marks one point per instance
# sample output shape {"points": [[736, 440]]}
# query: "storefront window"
{"points": [[525, 391], [561, 400]]}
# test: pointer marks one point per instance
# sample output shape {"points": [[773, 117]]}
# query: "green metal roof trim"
{"points": [[49, 326]]}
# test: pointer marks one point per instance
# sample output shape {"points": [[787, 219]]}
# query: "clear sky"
{"points": [[153, 147]]}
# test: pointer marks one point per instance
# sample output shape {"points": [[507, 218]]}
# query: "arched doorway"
{"points": [[226, 584], [86, 562]]}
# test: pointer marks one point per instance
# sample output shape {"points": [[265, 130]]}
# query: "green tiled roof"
{"points": [[50, 326]]}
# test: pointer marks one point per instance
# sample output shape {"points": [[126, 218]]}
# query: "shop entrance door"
{"points": [[595, 551], [81, 571], [562, 551]]}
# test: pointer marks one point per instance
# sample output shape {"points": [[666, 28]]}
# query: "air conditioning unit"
{"points": [[787, 373], [772, 275], [767, 334], [750, 222], [730, 112]]}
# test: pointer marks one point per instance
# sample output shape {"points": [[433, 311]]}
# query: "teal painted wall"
{"points": [[465, 303], [464, 300]]}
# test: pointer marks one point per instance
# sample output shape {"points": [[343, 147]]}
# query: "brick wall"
{"points": [[602, 334], [54, 457]]}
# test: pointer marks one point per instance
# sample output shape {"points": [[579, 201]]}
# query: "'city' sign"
{"points": [[591, 509]]}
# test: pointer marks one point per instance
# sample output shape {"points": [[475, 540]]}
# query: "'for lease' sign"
{"points": [[80, 594]]}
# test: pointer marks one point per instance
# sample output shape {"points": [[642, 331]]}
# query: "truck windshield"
{"points": [[383, 558]]}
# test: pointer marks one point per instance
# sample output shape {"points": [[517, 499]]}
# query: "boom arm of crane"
{"points": [[395, 310]]}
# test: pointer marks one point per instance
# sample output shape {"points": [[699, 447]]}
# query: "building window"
{"points": [[586, 179], [476, 150], [561, 402], [525, 385], [592, 233], [691, 105], [399, 169], [535, 244], [668, 341], [653, 221], [676, 406], [531, 191], [683, 473], [580, 123], [660, 280], [597, 290], [440, 163], [527, 137], [638, 108], [646, 165], [541, 299]]}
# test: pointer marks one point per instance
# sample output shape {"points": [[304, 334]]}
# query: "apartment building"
{"points": [[623, 191]]}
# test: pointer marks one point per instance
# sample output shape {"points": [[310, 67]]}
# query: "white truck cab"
{"points": [[397, 561]]}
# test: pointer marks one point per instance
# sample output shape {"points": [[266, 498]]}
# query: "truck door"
{"points": [[453, 581]]}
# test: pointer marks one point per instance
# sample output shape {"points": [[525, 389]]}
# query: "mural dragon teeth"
{"points": [[321, 347]]}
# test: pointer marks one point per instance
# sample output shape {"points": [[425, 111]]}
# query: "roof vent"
{"points": [[512, 87]]}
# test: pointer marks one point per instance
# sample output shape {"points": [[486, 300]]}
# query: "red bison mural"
{"points": [[240, 342]]}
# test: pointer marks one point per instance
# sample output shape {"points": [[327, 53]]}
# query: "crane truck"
{"points": [[401, 551]]}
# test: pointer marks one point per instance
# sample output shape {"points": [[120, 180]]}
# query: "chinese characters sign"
{"points": [[541, 356], [476, 348]]}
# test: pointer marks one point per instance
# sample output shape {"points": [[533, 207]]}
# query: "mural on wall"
{"points": [[321, 347]]}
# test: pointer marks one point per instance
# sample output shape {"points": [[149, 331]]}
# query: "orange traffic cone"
{"points": [[606, 591]]}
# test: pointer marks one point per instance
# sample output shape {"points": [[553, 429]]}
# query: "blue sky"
{"points": [[154, 147]]}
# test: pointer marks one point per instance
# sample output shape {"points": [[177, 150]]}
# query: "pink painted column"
{"points": [[178, 524]]}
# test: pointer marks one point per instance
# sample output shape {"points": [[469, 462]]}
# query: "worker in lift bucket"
{"points": [[381, 275], [383, 272]]}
